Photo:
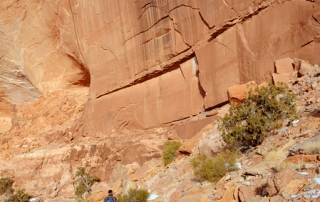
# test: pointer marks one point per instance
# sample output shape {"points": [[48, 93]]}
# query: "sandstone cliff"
{"points": [[149, 62], [96, 82]]}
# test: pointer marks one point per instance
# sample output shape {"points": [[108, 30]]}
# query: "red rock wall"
{"points": [[155, 62], [161, 61]]}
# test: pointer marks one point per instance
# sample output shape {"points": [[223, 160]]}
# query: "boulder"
{"points": [[305, 68], [293, 188], [246, 192], [173, 135], [284, 65], [188, 146], [296, 64], [239, 93], [277, 183], [283, 77], [228, 195]]}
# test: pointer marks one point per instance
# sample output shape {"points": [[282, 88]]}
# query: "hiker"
{"points": [[110, 197]]}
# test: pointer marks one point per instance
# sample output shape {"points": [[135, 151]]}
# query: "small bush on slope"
{"points": [[134, 195], [19, 196], [5, 185], [247, 123], [11, 194], [170, 147], [213, 169], [84, 181]]}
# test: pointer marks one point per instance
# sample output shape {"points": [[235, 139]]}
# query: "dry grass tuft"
{"points": [[312, 148], [289, 144], [275, 155], [283, 166]]}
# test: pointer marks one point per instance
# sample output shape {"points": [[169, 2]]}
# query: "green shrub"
{"points": [[5, 185], [84, 182], [134, 195], [170, 147], [11, 194], [213, 169], [247, 124], [19, 196]]}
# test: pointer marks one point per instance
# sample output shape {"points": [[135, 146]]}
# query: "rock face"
{"points": [[143, 64], [148, 62], [164, 61], [38, 50]]}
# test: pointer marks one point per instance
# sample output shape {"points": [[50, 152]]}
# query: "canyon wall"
{"points": [[148, 62], [155, 62], [80, 78]]}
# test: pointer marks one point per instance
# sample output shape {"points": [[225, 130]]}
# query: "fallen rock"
{"points": [[173, 135], [228, 195], [213, 143], [271, 188], [277, 182], [239, 93], [253, 171], [305, 68], [292, 188], [284, 65], [188, 146], [245, 192], [283, 77], [296, 64]]}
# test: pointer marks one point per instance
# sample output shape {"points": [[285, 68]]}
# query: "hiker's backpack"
{"points": [[109, 199]]}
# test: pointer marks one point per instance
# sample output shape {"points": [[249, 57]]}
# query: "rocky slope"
{"points": [[103, 84], [284, 168], [43, 160]]}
